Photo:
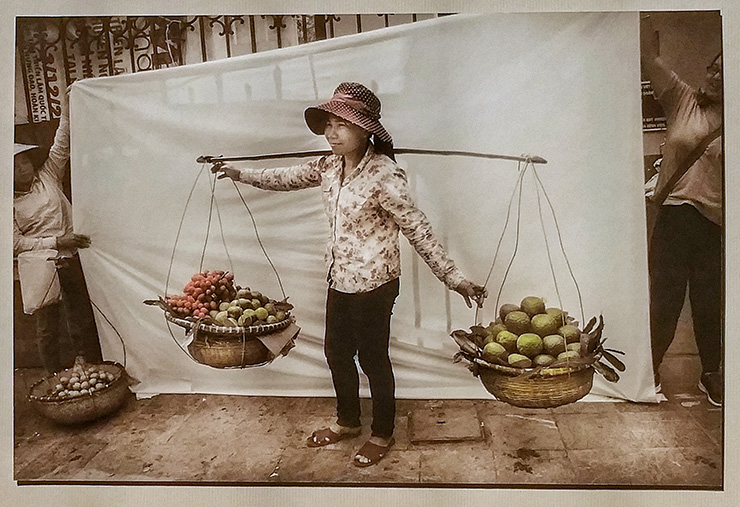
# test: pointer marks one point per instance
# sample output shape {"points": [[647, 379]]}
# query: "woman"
{"points": [[42, 219], [367, 200], [686, 242]]}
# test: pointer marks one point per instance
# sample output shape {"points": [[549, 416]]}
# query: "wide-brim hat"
{"points": [[19, 148], [352, 102]]}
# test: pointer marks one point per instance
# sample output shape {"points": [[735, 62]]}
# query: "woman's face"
{"points": [[345, 137], [23, 172]]}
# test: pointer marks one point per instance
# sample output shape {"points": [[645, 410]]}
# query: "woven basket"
{"points": [[229, 332], [549, 387], [219, 352], [84, 408]]}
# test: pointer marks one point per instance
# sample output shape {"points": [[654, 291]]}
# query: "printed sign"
{"points": [[35, 80], [653, 117]]}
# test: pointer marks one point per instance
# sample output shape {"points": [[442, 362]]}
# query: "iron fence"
{"points": [[53, 52]]}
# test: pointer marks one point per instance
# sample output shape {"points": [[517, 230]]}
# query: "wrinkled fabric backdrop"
{"points": [[565, 87]]}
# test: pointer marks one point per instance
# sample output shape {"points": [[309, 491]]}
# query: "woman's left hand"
{"points": [[468, 290]]}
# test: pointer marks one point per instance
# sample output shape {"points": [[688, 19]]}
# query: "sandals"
{"points": [[373, 453], [326, 436]]}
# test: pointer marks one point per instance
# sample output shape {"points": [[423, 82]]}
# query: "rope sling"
{"points": [[526, 164], [529, 165], [213, 204]]}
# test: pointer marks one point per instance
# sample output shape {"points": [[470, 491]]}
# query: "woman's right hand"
{"points": [[226, 171], [469, 290], [72, 240]]}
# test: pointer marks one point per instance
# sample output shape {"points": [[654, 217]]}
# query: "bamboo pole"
{"points": [[209, 159]]}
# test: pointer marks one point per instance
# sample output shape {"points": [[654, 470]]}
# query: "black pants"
{"points": [[74, 311], [686, 248], [360, 324]]}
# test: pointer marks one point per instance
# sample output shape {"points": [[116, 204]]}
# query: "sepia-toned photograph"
{"points": [[481, 252]]}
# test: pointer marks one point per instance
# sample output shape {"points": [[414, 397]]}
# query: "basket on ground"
{"points": [[545, 388], [83, 408]]}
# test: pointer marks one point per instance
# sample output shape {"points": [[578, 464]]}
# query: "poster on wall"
{"points": [[653, 117], [34, 80]]}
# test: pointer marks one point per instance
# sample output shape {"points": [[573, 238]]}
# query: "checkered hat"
{"points": [[352, 102]]}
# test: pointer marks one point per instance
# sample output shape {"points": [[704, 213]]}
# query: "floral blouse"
{"points": [[365, 213]]}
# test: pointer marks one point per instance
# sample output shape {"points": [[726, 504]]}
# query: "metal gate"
{"points": [[52, 53]]}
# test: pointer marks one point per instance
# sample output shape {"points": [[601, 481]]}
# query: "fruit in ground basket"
{"points": [[81, 380]]}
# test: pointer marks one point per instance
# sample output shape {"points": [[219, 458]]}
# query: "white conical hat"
{"points": [[20, 148]]}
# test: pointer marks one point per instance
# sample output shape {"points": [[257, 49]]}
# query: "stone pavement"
{"points": [[249, 440], [217, 439]]}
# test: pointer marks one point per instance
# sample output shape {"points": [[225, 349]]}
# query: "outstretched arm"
{"points": [[396, 200], [56, 163], [653, 65], [284, 178]]}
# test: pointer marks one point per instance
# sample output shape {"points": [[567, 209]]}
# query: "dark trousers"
{"points": [[359, 324], [73, 311], [686, 248]]}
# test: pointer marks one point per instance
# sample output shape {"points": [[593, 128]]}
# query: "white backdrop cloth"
{"points": [[561, 86]]}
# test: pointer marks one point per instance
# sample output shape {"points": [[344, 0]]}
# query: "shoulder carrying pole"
{"points": [[208, 159]]}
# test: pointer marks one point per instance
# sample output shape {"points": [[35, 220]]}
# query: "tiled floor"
{"points": [[216, 439]]}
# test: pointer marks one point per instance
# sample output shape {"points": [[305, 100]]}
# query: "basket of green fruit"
{"points": [[80, 394], [228, 323], [537, 357]]}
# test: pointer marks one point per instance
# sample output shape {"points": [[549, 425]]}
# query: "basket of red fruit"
{"points": [[231, 326]]}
